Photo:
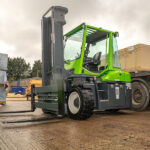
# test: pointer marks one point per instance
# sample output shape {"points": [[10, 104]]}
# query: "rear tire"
{"points": [[140, 96], [80, 104]]}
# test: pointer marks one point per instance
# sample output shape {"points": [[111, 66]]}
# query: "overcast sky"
{"points": [[20, 31]]}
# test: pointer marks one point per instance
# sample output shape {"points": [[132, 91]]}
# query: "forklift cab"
{"points": [[88, 48]]}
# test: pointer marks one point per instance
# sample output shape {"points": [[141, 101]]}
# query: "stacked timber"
{"points": [[23, 82], [135, 58]]}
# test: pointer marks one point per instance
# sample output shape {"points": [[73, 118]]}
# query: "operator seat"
{"points": [[93, 65], [96, 58]]}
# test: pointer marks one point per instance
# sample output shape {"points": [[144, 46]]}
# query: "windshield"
{"points": [[99, 47], [96, 52], [73, 46], [116, 60]]}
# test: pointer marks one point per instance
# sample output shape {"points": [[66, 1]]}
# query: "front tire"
{"points": [[80, 104]]}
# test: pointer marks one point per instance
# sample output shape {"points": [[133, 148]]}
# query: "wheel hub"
{"points": [[137, 96], [74, 102]]}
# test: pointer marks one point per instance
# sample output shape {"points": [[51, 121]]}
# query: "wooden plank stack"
{"points": [[135, 58]]}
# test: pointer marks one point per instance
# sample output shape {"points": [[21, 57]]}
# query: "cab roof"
{"points": [[90, 30]]}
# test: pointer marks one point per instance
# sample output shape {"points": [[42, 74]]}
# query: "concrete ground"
{"points": [[125, 130]]}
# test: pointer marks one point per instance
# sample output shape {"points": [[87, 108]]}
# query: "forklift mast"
{"points": [[52, 45], [50, 95]]}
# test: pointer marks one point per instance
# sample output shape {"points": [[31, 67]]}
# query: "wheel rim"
{"points": [[137, 96], [74, 102]]}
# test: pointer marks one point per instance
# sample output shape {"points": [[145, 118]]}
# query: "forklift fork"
{"points": [[33, 120], [32, 110]]}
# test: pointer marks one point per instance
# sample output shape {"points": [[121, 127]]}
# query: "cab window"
{"points": [[73, 46]]}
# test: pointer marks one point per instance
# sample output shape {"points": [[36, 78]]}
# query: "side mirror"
{"points": [[116, 34]]}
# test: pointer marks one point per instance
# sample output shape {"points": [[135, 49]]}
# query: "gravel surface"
{"points": [[124, 130]]}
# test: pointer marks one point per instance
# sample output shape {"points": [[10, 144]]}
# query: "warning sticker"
{"points": [[117, 92]]}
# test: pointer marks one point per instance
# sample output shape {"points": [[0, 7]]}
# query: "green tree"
{"points": [[36, 69], [16, 68]]}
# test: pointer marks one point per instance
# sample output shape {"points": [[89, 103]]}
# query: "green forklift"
{"points": [[91, 58], [80, 71]]}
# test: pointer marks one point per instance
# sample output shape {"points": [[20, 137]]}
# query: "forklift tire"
{"points": [[80, 104], [140, 96]]}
